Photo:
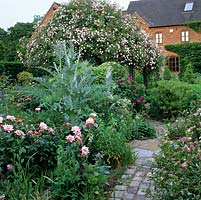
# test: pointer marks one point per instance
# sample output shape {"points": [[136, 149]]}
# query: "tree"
{"points": [[99, 31]]}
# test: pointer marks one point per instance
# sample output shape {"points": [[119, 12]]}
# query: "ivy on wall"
{"points": [[189, 53], [195, 25]]}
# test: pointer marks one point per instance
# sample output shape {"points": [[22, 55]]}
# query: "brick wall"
{"points": [[171, 34], [50, 13]]}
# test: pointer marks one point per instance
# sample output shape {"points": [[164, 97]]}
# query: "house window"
{"points": [[159, 38], [173, 63], [188, 6], [185, 36]]}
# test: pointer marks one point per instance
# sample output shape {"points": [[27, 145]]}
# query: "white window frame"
{"points": [[159, 38], [188, 6], [185, 36]]}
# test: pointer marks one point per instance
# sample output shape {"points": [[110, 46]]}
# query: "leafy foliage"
{"points": [[71, 89], [169, 98]]}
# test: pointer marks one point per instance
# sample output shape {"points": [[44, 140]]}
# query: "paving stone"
{"points": [[118, 194], [141, 192], [130, 171], [141, 173], [144, 186], [120, 187], [128, 196], [139, 198], [132, 189], [137, 178], [135, 183]]}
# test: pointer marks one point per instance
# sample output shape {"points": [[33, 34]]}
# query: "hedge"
{"points": [[11, 68], [189, 52]]}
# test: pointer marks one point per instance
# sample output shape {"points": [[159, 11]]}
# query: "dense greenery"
{"points": [[11, 69], [195, 25], [169, 98], [9, 40], [49, 142], [189, 53], [99, 31]]}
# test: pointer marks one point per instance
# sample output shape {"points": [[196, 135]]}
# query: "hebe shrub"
{"points": [[118, 71], [169, 98], [24, 77]]}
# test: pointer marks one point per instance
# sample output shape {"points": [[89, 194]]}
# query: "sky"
{"points": [[13, 11]]}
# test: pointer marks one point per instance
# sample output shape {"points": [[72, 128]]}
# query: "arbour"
{"points": [[99, 31]]}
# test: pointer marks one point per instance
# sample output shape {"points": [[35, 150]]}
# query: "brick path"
{"points": [[135, 183]]}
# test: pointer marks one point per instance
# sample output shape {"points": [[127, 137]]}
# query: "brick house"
{"points": [[164, 20], [50, 13]]}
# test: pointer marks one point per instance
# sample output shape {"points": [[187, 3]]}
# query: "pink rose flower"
{"points": [[93, 115], [76, 130], [119, 82], [30, 132], [51, 131], [186, 139], [78, 139], [192, 147], [70, 138], [191, 129], [141, 98], [85, 150], [186, 148], [89, 121], [20, 133], [184, 165], [1, 120], [28, 99], [137, 101], [10, 117], [8, 128], [43, 126]]}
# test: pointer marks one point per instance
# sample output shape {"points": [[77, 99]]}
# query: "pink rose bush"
{"points": [[180, 164]]}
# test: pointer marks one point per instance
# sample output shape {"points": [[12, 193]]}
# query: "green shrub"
{"points": [[167, 75], [24, 77], [11, 68], [188, 75], [142, 129], [169, 98], [118, 71], [112, 145]]}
